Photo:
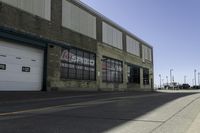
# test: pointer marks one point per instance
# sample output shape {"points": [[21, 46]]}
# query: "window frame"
{"points": [[133, 74], [86, 67], [112, 66], [146, 76], [2, 66]]}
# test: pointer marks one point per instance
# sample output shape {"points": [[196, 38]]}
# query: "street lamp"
{"points": [[199, 78], [167, 79], [171, 75], [185, 79], [195, 83], [160, 80], [163, 83]]}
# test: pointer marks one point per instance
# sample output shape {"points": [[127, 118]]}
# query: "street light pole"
{"points": [[195, 82], [167, 79], [160, 80], [199, 78], [171, 76], [185, 79]]}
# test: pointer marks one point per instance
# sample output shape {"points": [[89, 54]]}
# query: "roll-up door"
{"points": [[21, 67]]}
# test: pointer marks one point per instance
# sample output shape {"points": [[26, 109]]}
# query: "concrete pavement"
{"points": [[195, 126]]}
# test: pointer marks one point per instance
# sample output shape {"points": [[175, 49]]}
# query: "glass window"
{"points": [[92, 60], [2, 66], [104, 79], [86, 59], [78, 64], [112, 70], [80, 57], [72, 56], [133, 74], [146, 76], [79, 70]]}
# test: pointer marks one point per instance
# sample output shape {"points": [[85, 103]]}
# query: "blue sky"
{"points": [[172, 27]]}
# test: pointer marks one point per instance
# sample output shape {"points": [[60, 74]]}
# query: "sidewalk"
{"points": [[195, 127]]}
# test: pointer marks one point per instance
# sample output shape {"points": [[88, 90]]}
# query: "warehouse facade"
{"points": [[62, 45]]}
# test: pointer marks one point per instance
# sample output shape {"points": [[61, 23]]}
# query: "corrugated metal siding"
{"points": [[41, 8], [78, 20], [112, 36], [133, 46]]}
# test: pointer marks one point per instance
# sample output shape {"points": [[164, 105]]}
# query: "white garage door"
{"points": [[21, 67]]}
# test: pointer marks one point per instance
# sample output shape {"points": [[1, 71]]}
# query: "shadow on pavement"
{"points": [[91, 119]]}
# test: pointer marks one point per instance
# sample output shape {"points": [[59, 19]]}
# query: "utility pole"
{"points": [[199, 78]]}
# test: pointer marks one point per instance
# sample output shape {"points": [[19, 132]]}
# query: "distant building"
{"points": [[66, 45]]}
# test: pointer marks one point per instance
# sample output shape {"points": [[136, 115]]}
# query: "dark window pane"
{"points": [[146, 76], [111, 70], [80, 59], [79, 72], [108, 64], [112, 65], [108, 76], [112, 76], [72, 73], [77, 64], [92, 60], [121, 77], [86, 59], [133, 74], [72, 56], [86, 75], [104, 75]]}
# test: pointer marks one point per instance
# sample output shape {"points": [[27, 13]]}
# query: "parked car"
{"points": [[195, 87], [185, 86]]}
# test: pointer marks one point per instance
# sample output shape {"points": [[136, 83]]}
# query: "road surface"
{"points": [[160, 112]]}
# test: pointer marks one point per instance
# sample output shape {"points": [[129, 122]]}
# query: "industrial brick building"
{"points": [[66, 45]]}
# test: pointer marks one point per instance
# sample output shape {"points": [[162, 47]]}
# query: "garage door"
{"points": [[21, 67]]}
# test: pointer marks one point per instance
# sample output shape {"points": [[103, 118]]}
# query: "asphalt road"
{"points": [[101, 112]]}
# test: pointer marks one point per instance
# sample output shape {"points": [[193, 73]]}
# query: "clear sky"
{"points": [[172, 27]]}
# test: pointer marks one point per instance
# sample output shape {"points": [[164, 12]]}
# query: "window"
{"points": [[2, 66], [41, 8], [112, 36], [26, 69], [146, 53], [78, 19], [133, 46], [112, 70], [146, 76], [133, 74], [77, 64]]}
